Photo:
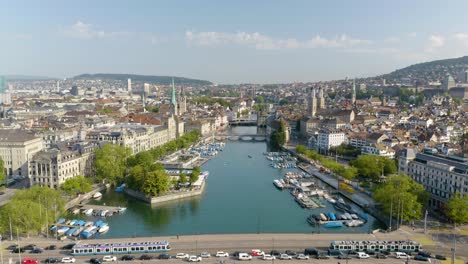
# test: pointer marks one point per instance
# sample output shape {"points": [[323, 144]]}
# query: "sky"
{"points": [[237, 41]]}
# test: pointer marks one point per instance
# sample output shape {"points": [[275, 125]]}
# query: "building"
{"points": [[463, 76], [321, 99], [312, 104], [174, 108], [76, 91], [129, 85], [448, 82], [441, 175], [353, 96], [182, 102], [378, 150], [328, 138], [16, 148]]}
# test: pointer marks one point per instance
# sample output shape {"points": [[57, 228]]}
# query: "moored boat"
{"points": [[104, 229], [97, 195], [323, 217], [333, 224]]}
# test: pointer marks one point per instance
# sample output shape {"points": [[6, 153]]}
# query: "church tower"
{"points": [[174, 109], [353, 97], [182, 102], [312, 103], [321, 99]]}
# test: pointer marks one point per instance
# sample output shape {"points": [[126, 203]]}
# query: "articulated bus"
{"points": [[120, 248], [376, 246]]}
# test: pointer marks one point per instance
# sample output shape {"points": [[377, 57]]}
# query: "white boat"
{"points": [[88, 211], [354, 216], [121, 209], [97, 195], [348, 216], [323, 217], [104, 212], [78, 231], [103, 229], [89, 223], [340, 200], [278, 184], [76, 211]]}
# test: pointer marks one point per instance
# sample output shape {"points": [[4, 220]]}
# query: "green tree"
{"points": [[284, 101], [136, 177], [372, 167], [195, 174], [278, 138], [111, 161], [2, 171], [457, 208], [401, 193], [76, 185], [183, 178], [157, 183], [301, 149]]}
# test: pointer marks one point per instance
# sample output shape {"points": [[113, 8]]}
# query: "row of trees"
{"points": [[211, 101], [76, 185], [345, 150], [30, 210], [372, 167], [115, 164]]}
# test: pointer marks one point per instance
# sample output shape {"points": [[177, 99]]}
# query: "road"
{"points": [[10, 191]]}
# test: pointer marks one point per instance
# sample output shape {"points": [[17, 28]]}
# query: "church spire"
{"points": [[353, 98], [173, 99]]}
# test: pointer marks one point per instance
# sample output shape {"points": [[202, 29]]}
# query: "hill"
{"points": [[163, 80], [429, 71]]}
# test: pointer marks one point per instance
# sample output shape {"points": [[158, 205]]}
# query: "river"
{"points": [[239, 198]]}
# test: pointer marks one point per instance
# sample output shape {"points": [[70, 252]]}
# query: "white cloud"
{"points": [[87, 31], [392, 40], [260, 41], [435, 42], [462, 37]]}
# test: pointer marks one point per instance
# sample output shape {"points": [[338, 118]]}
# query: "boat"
{"points": [[97, 195], [341, 217], [323, 217], [333, 224], [249, 156], [121, 188], [311, 220], [278, 184], [71, 231], [354, 216], [341, 201], [98, 223], [103, 229], [61, 221], [331, 216], [89, 223], [348, 216], [104, 212], [339, 206], [62, 230], [354, 223], [88, 211], [88, 232], [121, 209], [110, 213], [76, 211], [78, 231]]}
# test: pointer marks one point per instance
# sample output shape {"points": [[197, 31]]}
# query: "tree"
{"points": [[372, 167], [278, 138], [301, 149], [195, 174], [400, 193], [76, 185], [136, 177], [457, 208], [156, 183], [284, 101], [111, 161], [183, 178], [2, 171]]}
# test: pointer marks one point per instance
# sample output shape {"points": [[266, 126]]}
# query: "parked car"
{"points": [[95, 261], [29, 247], [322, 256], [30, 261], [380, 256], [244, 256], [425, 254], [268, 257], [194, 258], [440, 257], [146, 257], [222, 254], [362, 255], [275, 253], [51, 247], [68, 260], [401, 255], [69, 246], [109, 258], [17, 250], [310, 251], [285, 257], [302, 256], [236, 254], [182, 256], [257, 253], [421, 258], [2, 193], [343, 256], [291, 253], [37, 251], [127, 257], [205, 255], [11, 247], [52, 260], [162, 256]]}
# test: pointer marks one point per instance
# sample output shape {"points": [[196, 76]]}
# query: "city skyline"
{"points": [[241, 42]]}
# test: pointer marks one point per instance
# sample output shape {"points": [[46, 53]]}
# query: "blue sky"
{"points": [[229, 41]]}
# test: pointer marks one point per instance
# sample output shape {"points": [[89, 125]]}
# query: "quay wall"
{"points": [[88, 195], [166, 198]]}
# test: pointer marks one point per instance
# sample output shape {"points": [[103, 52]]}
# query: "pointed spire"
{"points": [[354, 85], [173, 97]]}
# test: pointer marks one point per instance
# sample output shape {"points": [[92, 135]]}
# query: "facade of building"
{"points": [[448, 82], [328, 138], [441, 175], [312, 105], [16, 148]]}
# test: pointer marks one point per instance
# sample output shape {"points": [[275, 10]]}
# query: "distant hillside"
{"points": [[429, 71], [163, 80]]}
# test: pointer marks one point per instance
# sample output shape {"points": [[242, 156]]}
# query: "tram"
{"points": [[376, 246], [120, 248]]}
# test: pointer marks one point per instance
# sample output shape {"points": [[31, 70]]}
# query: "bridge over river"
{"points": [[243, 137]]}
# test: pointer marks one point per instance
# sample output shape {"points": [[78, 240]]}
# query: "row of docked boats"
{"points": [[77, 228], [211, 149], [96, 212], [331, 220]]}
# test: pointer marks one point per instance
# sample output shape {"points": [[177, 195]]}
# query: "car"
{"points": [[291, 253], [421, 258], [362, 255], [162, 256], [194, 258], [275, 253], [220, 254], [285, 256], [182, 256], [333, 252], [30, 261], [29, 247], [2, 193], [146, 257], [12, 247], [401, 255], [18, 250], [268, 257], [343, 256], [95, 261], [69, 246], [440, 257], [244, 256], [380, 256], [52, 260], [109, 258], [236, 254], [302, 256], [127, 257], [51, 247], [425, 254], [205, 255], [37, 251], [310, 251], [257, 253], [322, 256], [68, 260]]}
